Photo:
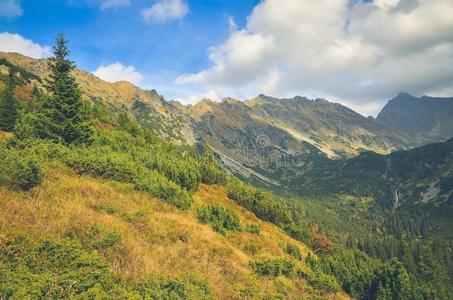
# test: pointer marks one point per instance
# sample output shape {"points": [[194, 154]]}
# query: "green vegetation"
{"points": [[259, 202], [252, 228], [53, 269], [284, 267], [403, 243], [294, 251], [186, 287], [62, 116], [274, 267], [367, 278], [19, 173], [222, 219], [8, 106], [105, 163]]}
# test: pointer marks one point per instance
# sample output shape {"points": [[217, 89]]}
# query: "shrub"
{"points": [[317, 277], [210, 171], [181, 169], [274, 267], [294, 251], [159, 186], [222, 219], [185, 287], [54, 270], [323, 282], [105, 163], [100, 238], [27, 175], [252, 228], [19, 173], [259, 202]]}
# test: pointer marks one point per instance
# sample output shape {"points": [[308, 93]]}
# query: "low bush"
{"points": [[318, 277], [185, 287], [252, 228], [323, 282], [222, 219], [259, 202], [18, 171], [274, 267], [210, 171], [99, 238], [293, 250], [105, 163], [53, 269]]}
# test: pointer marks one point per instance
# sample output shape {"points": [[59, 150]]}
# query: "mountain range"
{"points": [[265, 139], [381, 185]]}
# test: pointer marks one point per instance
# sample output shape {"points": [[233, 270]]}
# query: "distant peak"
{"points": [[230, 100], [404, 95]]}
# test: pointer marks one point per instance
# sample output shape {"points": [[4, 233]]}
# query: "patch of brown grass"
{"points": [[154, 237]]}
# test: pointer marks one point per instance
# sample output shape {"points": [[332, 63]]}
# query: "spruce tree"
{"points": [[66, 117], [8, 106]]}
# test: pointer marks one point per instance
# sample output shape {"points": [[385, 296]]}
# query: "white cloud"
{"points": [[165, 10], [364, 53], [118, 72], [10, 9], [106, 4], [12, 42]]}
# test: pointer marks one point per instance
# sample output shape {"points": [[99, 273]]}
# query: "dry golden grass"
{"points": [[4, 136], [155, 237]]}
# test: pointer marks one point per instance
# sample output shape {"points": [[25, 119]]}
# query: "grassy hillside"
{"points": [[147, 236], [138, 236]]}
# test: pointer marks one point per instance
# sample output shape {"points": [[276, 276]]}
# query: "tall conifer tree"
{"points": [[66, 116]]}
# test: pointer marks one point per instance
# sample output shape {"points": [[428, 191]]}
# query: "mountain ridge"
{"points": [[260, 132]]}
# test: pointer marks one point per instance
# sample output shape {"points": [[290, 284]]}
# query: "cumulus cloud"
{"points": [[107, 4], [165, 10], [10, 9], [118, 72], [360, 53], [12, 42]]}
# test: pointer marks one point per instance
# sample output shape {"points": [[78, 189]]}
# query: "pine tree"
{"points": [[66, 118], [8, 107]]}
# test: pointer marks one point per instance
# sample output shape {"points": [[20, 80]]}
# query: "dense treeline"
{"points": [[427, 258], [402, 242]]}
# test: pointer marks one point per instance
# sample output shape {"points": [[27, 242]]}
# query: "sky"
{"points": [[356, 52]]}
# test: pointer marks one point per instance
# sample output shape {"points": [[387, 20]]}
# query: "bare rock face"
{"points": [[425, 119]]}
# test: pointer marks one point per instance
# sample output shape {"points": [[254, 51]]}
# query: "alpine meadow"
{"points": [[218, 190]]}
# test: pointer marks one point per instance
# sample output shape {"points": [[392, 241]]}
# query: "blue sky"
{"points": [[360, 53], [160, 51]]}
